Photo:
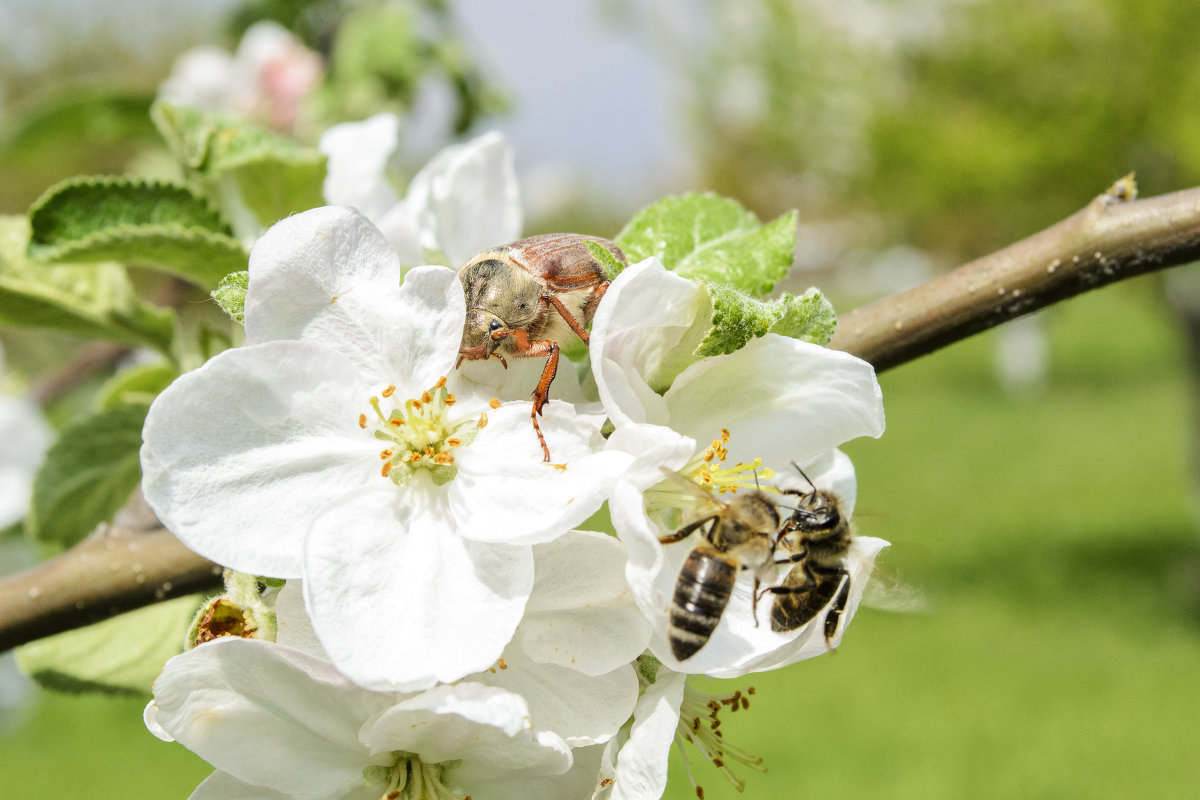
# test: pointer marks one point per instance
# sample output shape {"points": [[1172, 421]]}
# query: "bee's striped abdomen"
{"points": [[701, 594]]}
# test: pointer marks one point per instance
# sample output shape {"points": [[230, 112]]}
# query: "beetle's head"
{"points": [[478, 339]]}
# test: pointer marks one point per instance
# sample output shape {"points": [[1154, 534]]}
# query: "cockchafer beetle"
{"points": [[528, 298]]}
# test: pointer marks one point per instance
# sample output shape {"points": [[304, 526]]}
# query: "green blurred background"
{"points": [[1049, 523]]}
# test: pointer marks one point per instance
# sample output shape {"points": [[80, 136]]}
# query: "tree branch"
{"points": [[1109, 240]]}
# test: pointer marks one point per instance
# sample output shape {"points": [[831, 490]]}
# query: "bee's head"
{"points": [[818, 511]]}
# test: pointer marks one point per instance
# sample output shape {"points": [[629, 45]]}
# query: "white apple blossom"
{"points": [[774, 402], [465, 200], [672, 712], [341, 446], [571, 658], [267, 79], [279, 723]]}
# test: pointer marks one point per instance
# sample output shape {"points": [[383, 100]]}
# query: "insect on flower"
{"points": [[737, 535], [528, 298], [818, 536]]}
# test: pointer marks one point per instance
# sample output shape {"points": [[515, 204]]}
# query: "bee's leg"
{"points": [[836, 609], [685, 531], [755, 594], [568, 316], [793, 558]]}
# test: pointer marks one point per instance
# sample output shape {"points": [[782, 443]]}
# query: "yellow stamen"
{"points": [[426, 397], [386, 454], [389, 391], [443, 458], [449, 399], [441, 382], [387, 468], [453, 442], [362, 421]]}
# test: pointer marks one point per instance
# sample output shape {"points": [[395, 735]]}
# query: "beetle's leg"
{"points": [[541, 395], [568, 316]]}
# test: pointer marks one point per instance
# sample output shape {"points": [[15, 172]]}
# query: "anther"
{"points": [[443, 458], [441, 382], [449, 399], [725, 435], [426, 397], [494, 402], [386, 454], [389, 391], [482, 420], [387, 468], [396, 422], [500, 663], [453, 442], [362, 420], [428, 450]]}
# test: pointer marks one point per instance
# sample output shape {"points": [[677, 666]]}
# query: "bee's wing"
{"points": [[694, 489], [887, 592]]}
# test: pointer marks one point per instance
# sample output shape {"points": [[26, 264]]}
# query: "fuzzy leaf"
{"points": [[704, 236], [119, 656], [230, 295], [737, 318], [96, 301], [612, 267], [134, 221], [88, 475], [274, 175]]}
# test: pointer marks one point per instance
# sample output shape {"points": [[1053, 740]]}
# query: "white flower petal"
{"points": [[205, 78], [357, 169], [505, 492], [581, 613], [582, 709], [643, 315], [398, 601], [782, 399], [24, 438], [150, 718], [466, 199], [642, 761], [306, 263], [300, 715], [487, 728], [221, 786], [293, 626], [577, 783], [239, 454]]}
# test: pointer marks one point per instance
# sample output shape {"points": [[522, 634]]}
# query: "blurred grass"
{"points": [[1053, 537]]}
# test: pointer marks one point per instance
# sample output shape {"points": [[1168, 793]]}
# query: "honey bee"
{"points": [[818, 537], [526, 299], [739, 534]]}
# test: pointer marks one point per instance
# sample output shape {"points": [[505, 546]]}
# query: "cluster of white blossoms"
{"points": [[445, 630]]}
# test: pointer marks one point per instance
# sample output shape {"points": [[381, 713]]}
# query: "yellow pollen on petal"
{"points": [[500, 663], [389, 391], [362, 421], [494, 403]]}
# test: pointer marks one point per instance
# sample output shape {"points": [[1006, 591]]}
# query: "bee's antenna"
{"points": [[756, 486], [805, 476]]}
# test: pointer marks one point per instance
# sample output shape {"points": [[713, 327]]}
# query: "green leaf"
{"points": [[135, 221], [92, 115], [737, 318], [274, 175], [96, 301], [704, 236], [138, 385], [88, 475], [604, 256], [120, 656], [230, 295]]}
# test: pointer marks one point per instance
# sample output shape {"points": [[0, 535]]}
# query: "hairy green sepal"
{"points": [[704, 236], [230, 295], [274, 176], [96, 301], [135, 221], [737, 318], [119, 656], [88, 475]]}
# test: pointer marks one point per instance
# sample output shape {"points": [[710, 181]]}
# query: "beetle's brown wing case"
{"points": [[562, 260]]}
